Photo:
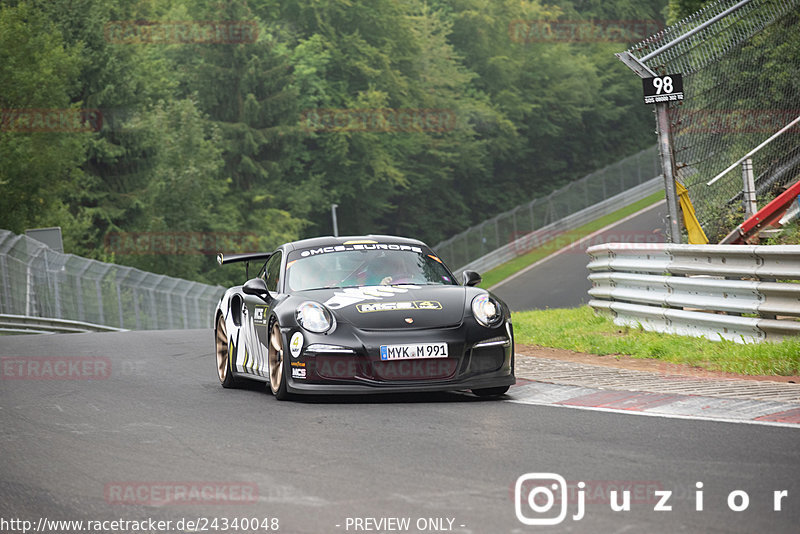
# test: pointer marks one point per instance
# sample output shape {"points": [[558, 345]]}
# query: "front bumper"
{"points": [[348, 360]]}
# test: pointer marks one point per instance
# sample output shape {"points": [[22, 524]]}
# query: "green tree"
{"points": [[226, 138], [245, 91], [37, 72], [121, 81], [679, 9], [352, 58], [181, 194]]}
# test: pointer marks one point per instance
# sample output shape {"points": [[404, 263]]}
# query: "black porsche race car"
{"points": [[352, 315]]}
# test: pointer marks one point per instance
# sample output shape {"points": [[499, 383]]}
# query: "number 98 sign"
{"points": [[668, 88]]}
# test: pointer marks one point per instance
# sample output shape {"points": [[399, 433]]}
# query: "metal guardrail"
{"points": [[39, 282], [739, 293], [543, 235], [487, 238], [23, 324]]}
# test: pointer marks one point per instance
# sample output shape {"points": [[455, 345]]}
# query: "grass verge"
{"points": [[579, 329], [501, 272]]}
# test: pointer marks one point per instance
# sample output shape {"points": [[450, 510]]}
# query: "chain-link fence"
{"points": [[740, 63], [506, 228], [36, 281]]}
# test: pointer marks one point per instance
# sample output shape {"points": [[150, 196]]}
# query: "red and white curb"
{"points": [[673, 406], [611, 378]]}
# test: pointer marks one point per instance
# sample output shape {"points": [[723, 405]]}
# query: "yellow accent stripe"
{"points": [[696, 234]]}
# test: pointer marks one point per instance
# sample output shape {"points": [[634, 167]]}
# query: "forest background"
{"points": [[418, 118]]}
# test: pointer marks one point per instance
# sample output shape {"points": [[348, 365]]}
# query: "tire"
{"points": [[224, 368], [491, 392], [277, 363]]}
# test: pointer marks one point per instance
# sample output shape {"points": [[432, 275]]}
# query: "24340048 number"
{"points": [[225, 524], [413, 350]]}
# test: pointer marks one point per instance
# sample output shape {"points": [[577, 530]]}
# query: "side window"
{"points": [[273, 271]]}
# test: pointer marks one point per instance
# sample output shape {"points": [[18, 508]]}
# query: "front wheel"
{"points": [[275, 357], [491, 392]]}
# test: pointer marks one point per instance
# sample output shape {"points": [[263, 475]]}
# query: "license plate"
{"points": [[413, 351]]}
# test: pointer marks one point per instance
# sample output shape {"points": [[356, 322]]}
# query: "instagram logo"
{"points": [[536, 495]]}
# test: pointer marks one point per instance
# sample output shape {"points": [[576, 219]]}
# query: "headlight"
{"points": [[486, 310], [314, 317]]}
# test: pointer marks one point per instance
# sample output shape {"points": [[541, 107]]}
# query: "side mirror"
{"points": [[257, 287], [471, 278]]}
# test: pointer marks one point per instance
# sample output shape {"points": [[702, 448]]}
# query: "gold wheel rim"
{"points": [[275, 358], [222, 349]]}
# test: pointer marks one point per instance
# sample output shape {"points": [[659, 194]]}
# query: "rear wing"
{"points": [[224, 259]]}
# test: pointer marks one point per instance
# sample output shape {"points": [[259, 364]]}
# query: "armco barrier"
{"points": [[739, 293], [67, 293], [21, 324], [528, 225], [551, 231]]}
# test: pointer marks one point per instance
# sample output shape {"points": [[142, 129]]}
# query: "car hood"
{"points": [[375, 307]]}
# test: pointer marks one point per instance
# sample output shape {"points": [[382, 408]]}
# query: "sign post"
{"points": [[658, 89], [661, 90], [668, 88], [335, 222], [668, 167]]}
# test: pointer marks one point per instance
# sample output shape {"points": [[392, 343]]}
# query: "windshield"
{"points": [[340, 266]]}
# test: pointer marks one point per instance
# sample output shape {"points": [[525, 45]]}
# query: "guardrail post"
{"points": [[153, 322], [119, 306], [127, 273], [668, 167], [56, 284], [638, 168], [98, 286], [533, 218], [749, 190], [605, 191], [7, 241], [79, 284], [29, 293], [136, 309], [516, 228], [4, 307], [184, 298], [196, 298], [586, 193], [550, 214]]}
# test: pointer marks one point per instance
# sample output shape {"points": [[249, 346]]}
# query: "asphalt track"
{"points": [[560, 280], [148, 414]]}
